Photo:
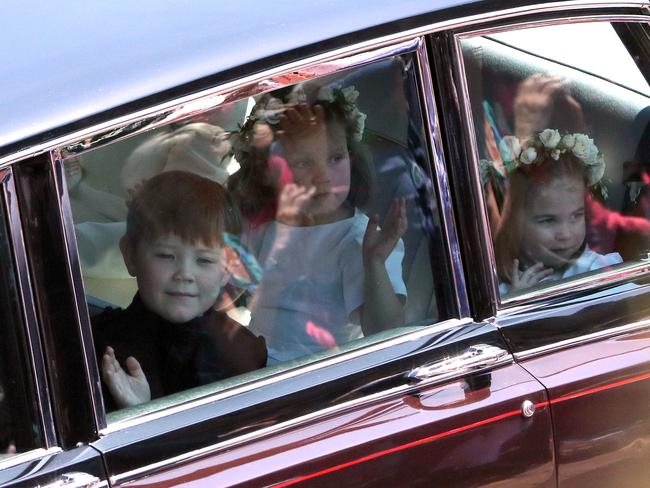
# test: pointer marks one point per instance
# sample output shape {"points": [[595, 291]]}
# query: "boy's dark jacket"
{"points": [[176, 357]]}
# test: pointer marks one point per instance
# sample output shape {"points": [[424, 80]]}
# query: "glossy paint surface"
{"points": [[445, 433], [95, 59], [599, 394]]}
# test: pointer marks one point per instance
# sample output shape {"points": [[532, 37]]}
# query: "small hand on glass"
{"points": [[379, 242], [522, 280], [128, 388], [293, 205]]}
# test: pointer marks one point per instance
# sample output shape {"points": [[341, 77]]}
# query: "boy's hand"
{"points": [[379, 243], [128, 388], [530, 277]]}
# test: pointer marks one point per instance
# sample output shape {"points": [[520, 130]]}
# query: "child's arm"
{"points": [[382, 308], [127, 388]]}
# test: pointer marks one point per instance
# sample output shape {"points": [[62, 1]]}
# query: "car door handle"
{"points": [[474, 358], [75, 480]]}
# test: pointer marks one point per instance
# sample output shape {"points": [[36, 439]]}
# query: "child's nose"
{"points": [[183, 271]]}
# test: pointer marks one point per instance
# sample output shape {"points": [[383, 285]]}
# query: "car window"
{"points": [[264, 234], [562, 126], [20, 426]]}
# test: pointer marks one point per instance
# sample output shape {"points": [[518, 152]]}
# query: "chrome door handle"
{"points": [[75, 480], [476, 357]]}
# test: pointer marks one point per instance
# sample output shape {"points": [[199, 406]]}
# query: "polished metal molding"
{"points": [[26, 457], [287, 375], [476, 357], [586, 339], [251, 86], [475, 176], [441, 180], [28, 307], [594, 281], [73, 267], [491, 357]]}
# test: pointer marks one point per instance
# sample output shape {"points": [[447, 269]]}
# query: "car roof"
{"points": [[64, 62]]}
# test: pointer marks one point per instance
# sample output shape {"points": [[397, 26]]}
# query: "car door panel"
{"points": [[599, 394], [464, 428], [445, 433]]}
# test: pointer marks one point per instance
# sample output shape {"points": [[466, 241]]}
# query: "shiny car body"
{"points": [[549, 388]]}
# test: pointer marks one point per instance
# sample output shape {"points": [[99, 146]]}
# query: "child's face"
{"points": [[176, 279], [554, 222], [320, 158]]}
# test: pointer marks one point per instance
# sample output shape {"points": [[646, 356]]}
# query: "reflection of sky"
{"points": [[593, 47]]}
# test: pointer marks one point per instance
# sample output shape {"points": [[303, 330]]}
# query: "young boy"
{"points": [[172, 337]]}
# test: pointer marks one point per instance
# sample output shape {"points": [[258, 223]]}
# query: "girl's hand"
{"points": [[293, 204], [128, 388], [378, 243], [301, 121], [522, 280]]}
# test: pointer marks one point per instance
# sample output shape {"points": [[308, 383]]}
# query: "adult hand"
{"points": [[538, 98], [128, 388], [378, 242]]}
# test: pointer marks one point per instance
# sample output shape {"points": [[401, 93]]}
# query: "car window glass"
{"points": [[20, 428], [264, 234], [562, 131]]}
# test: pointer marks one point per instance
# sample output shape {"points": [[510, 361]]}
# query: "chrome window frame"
{"points": [[540, 297], [185, 108], [36, 359]]}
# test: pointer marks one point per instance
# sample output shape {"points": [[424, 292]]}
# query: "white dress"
{"points": [[312, 283], [588, 261]]}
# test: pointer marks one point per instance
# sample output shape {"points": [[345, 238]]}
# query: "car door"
{"points": [[40, 446], [437, 399], [585, 338]]}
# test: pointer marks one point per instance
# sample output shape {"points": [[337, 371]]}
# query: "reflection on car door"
{"points": [[466, 418]]}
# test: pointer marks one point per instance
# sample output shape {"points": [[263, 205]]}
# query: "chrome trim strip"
{"points": [[28, 307], [28, 456], [418, 334], [558, 346], [73, 266], [533, 299], [305, 419], [441, 180], [76, 138], [475, 177]]}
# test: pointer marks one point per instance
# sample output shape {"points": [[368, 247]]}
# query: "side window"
{"points": [[20, 428], [562, 120], [261, 235]]}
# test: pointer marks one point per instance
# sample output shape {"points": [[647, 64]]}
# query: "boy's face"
{"points": [[176, 279]]}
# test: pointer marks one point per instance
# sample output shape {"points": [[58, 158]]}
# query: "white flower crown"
{"points": [[549, 143], [345, 98]]}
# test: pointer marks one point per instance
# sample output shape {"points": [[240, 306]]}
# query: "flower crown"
{"points": [[270, 110], [550, 144]]}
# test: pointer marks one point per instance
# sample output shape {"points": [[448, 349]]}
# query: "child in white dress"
{"points": [[541, 236], [330, 274]]}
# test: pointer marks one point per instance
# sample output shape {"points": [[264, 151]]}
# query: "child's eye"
{"points": [[545, 220], [164, 255], [299, 164], [336, 159], [205, 261]]}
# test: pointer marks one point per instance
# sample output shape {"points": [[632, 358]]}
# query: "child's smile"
{"points": [[177, 280]]}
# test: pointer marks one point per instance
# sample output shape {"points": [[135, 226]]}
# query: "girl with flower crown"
{"points": [[330, 273], [542, 233]]}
